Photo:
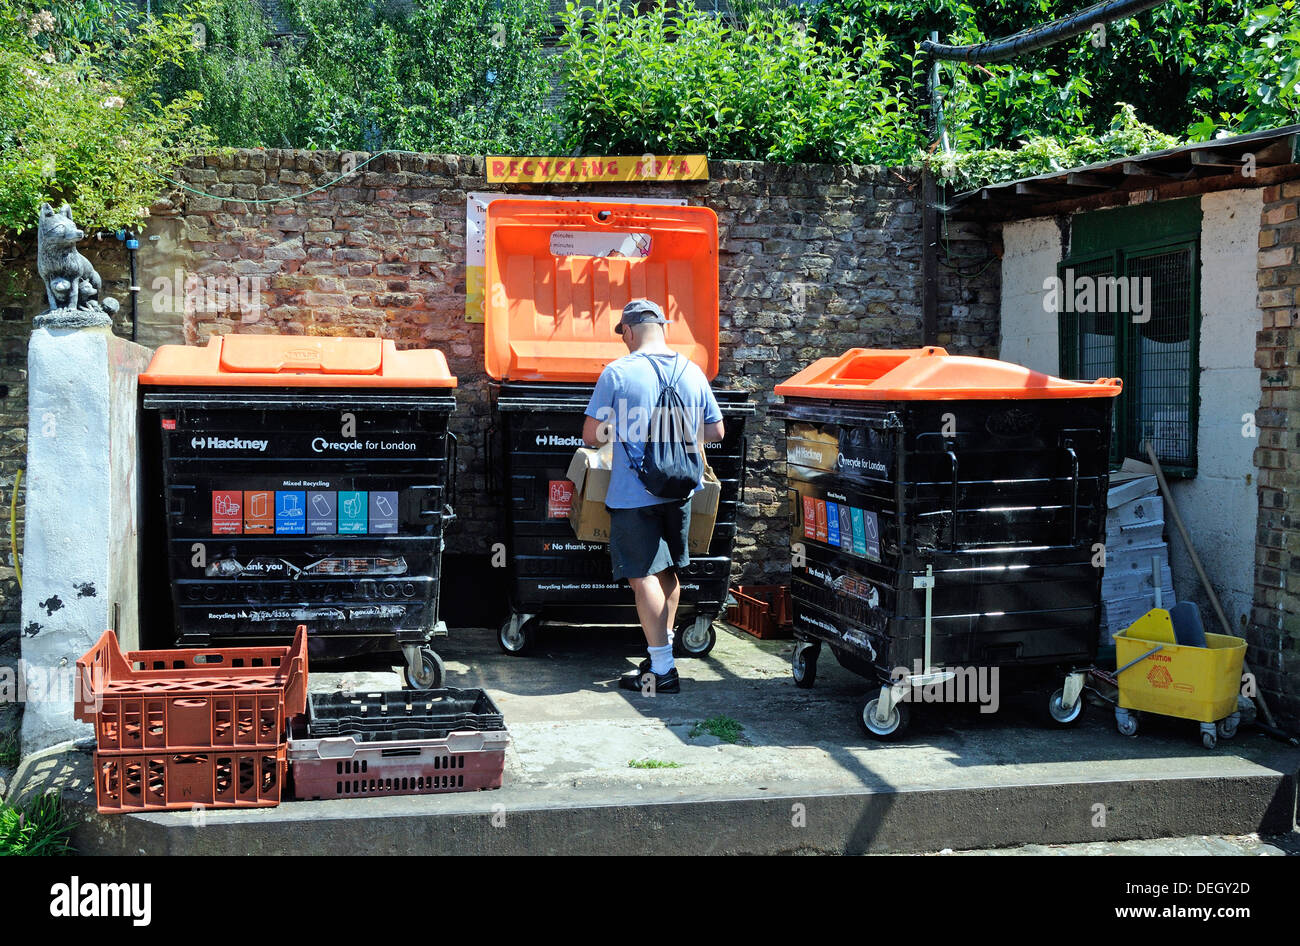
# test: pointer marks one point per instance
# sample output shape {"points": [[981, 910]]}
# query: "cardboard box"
{"points": [[589, 470]]}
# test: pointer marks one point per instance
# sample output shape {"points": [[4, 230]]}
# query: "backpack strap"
{"points": [[663, 386]]}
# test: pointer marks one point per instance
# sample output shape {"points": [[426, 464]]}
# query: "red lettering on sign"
{"points": [[498, 168]]}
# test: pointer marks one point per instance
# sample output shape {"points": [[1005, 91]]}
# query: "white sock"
{"points": [[661, 658]]}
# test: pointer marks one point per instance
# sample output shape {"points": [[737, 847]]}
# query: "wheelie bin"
{"points": [[947, 517], [303, 481], [558, 275]]}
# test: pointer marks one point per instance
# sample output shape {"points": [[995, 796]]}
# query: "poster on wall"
{"points": [[476, 203]]}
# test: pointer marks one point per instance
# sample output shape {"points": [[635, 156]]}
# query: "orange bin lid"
{"points": [[558, 274], [298, 361], [931, 374]]}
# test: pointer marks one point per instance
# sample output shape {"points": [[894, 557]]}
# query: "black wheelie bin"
{"points": [[947, 519], [303, 481], [557, 277]]}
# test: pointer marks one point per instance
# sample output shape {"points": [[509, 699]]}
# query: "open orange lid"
{"points": [[298, 361], [931, 374], [558, 274]]}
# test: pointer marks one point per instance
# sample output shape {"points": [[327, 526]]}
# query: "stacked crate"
{"points": [[182, 729], [1135, 552], [399, 742]]}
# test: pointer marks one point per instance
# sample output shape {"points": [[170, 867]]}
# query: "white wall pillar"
{"points": [[1220, 505], [1030, 334], [80, 555]]}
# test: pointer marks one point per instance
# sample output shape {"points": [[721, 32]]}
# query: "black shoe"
{"points": [[663, 682]]}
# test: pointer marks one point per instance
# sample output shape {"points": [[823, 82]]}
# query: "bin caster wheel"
{"points": [[803, 664], [518, 635], [695, 639], [428, 675], [1209, 738], [1228, 727], [1058, 715], [892, 728], [1126, 722]]}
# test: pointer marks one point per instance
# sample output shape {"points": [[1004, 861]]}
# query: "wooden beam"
{"points": [[1215, 159], [1279, 152], [1080, 179], [1136, 169], [1040, 189]]}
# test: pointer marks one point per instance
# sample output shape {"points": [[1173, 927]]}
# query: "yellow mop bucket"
{"points": [[1157, 675]]}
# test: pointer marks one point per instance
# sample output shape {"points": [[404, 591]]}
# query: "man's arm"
{"points": [[711, 430], [595, 431], [598, 427]]}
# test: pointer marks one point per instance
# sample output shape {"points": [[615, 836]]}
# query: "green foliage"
{"points": [[1041, 154], [1265, 73], [81, 121], [431, 75], [677, 80], [724, 727], [245, 83], [10, 744], [1168, 61], [652, 764], [37, 828]]}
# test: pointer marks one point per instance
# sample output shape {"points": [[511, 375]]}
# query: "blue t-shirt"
{"points": [[626, 394]]}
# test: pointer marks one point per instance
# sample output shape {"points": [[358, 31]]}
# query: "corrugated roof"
{"points": [[1253, 160]]}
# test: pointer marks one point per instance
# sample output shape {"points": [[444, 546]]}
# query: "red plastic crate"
{"points": [[161, 781], [195, 699], [348, 767], [762, 610]]}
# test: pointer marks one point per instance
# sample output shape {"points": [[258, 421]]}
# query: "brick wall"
{"points": [[1274, 654], [814, 259]]}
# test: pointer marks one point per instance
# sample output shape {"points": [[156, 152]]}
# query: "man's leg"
{"points": [[652, 606], [672, 592]]}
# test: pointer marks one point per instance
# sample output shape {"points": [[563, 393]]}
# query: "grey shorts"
{"points": [[647, 540]]}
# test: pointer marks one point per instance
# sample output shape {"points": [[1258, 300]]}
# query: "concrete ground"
{"points": [[800, 778], [1250, 845]]}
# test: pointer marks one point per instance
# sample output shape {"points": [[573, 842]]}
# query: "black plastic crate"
{"points": [[402, 714]]}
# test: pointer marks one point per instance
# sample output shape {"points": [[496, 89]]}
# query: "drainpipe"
{"points": [[132, 241], [1039, 37]]}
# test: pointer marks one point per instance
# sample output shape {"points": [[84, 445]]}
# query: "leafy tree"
{"points": [[677, 79], [1264, 76], [245, 82], [430, 75], [80, 119]]}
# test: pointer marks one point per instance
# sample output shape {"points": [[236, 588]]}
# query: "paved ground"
{"points": [[573, 727], [575, 778], [1249, 845]]}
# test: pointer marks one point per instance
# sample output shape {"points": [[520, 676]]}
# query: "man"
{"points": [[648, 534]]}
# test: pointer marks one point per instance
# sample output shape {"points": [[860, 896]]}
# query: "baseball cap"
{"points": [[638, 311]]}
